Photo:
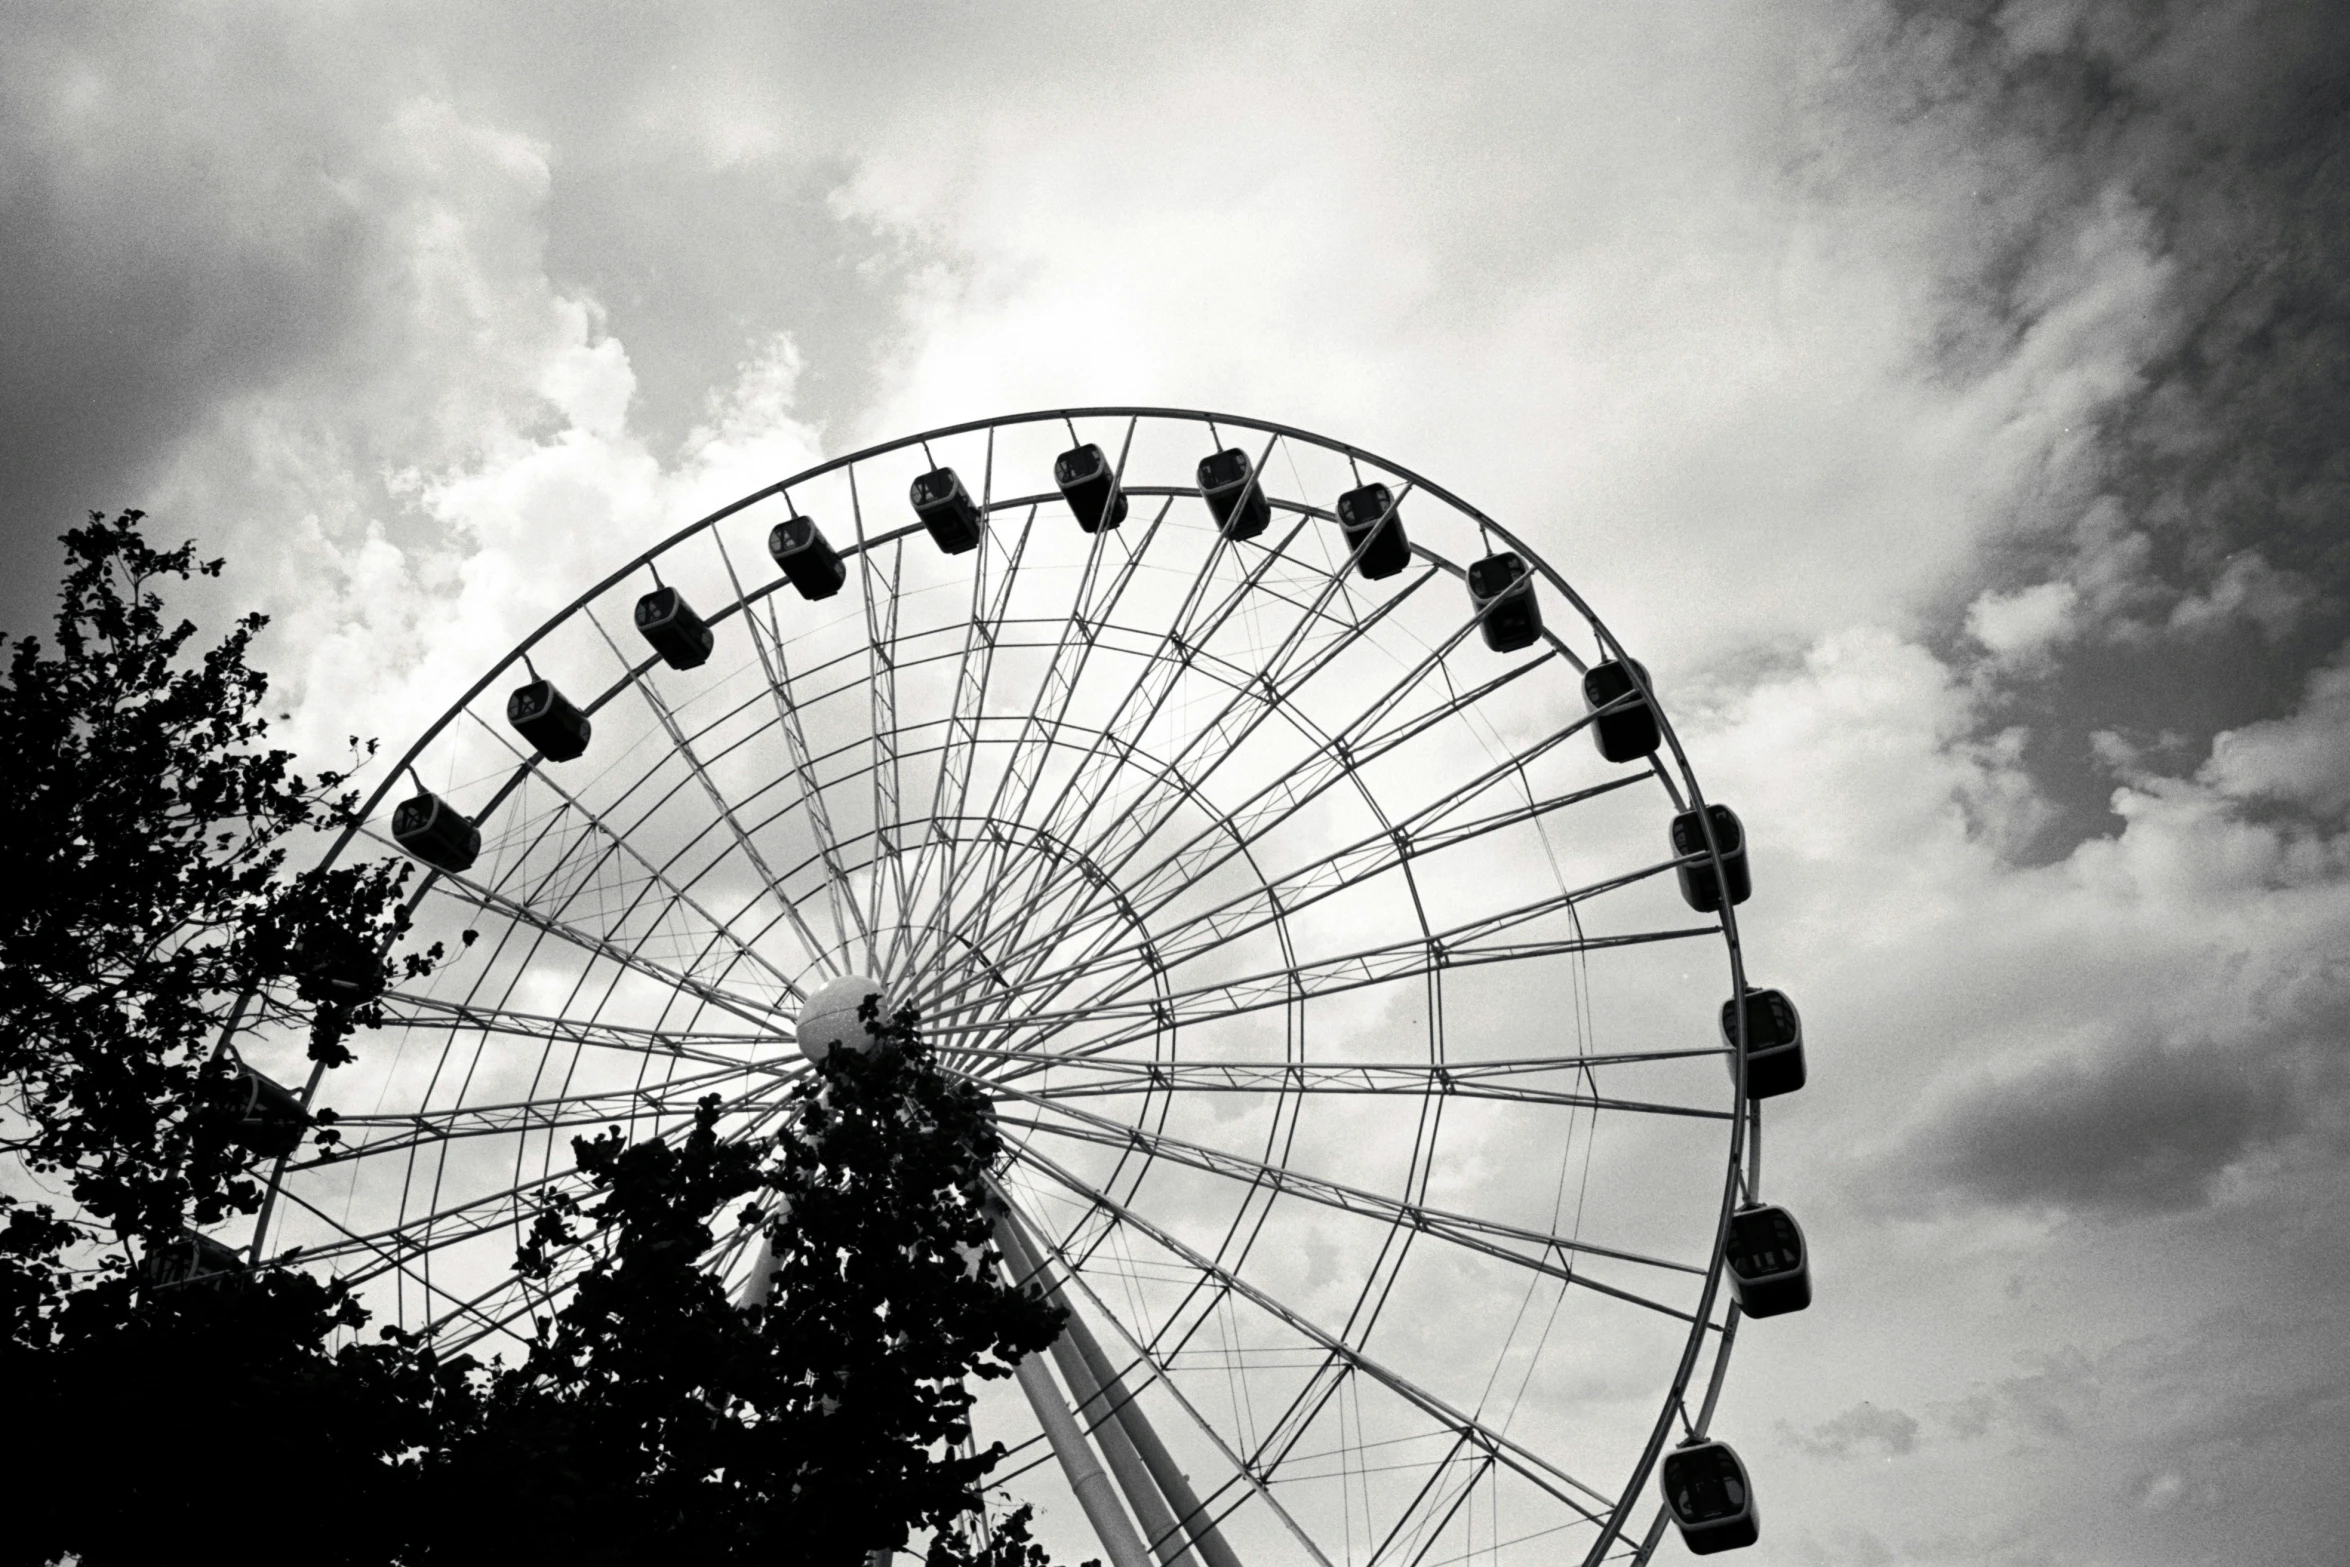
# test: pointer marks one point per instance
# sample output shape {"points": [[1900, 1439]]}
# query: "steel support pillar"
{"points": [[1094, 1491], [1105, 1422], [1178, 1508]]}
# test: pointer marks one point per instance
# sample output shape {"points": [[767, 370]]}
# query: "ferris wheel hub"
{"points": [[830, 1018]]}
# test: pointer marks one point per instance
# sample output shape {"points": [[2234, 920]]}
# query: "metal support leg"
{"points": [[1193, 1514], [1165, 1540], [1163, 1480], [1094, 1492]]}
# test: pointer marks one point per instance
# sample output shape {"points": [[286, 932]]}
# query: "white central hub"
{"points": [[829, 1017]]}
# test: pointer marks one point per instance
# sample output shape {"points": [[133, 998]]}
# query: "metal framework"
{"points": [[1356, 1054]]}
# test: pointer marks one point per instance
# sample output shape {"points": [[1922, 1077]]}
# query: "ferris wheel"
{"points": [[1308, 875]]}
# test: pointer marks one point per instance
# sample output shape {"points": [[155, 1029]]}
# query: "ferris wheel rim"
{"points": [[1744, 1116]]}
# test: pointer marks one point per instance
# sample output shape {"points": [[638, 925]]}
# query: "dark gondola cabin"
{"points": [[947, 510], [1370, 514], [546, 718], [1501, 590], [1769, 1268], [1091, 489], [268, 1119], [1228, 483], [1707, 1493], [681, 637], [337, 965], [187, 1257], [1699, 885], [433, 830], [1774, 1043], [1626, 726], [800, 548]]}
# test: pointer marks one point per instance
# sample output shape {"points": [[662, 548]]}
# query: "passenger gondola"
{"points": [[547, 719], [1228, 483], [436, 832], [187, 1257], [1626, 726], [339, 966], [1501, 590], [1699, 885], [1774, 1043], [1769, 1267], [947, 511], [681, 637], [1707, 1492], [267, 1117], [1091, 489], [1373, 526], [807, 557]]}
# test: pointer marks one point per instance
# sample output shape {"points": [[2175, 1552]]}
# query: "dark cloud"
{"points": [[2223, 132], [695, 264], [201, 206], [163, 251], [2129, 1132]]}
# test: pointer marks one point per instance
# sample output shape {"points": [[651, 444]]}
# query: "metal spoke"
{"points": [[1528, 1465], [385, 1248], [1235, 833], [1072, 655], [1483, 1236], [1372, 966], [1458, 946], [1252, 703], [1170, 658], [840, 899], [1169, 655], [881, 635], [754, 1013], [397, 1245], [1283, 896], [1107, 1077], [719, 804], [616, 844], [435, 1012], [951, 796], [454, 1224], [424, 1128]]}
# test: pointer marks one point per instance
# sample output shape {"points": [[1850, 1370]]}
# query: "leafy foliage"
{"points": [[143, 891], [143, 896], [828, 1421], [179, 1396]]}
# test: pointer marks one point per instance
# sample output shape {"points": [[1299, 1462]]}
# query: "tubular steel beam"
{"points": [[1094, 1491], [1179, 1503], [1107, 1423]]}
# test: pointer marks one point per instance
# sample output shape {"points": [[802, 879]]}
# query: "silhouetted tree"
{"points": [[167, 1400], [654, 1414], [143, 894]]}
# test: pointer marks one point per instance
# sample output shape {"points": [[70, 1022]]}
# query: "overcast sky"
{"points": [[1947, 401]]}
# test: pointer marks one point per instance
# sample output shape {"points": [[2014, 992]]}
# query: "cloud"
{"points": [[269, 265], [166, 249], [1922, 390], [2020, 626], [2132, 1131], [2303, 758], [2149, 1024], [1864, 1428]]}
